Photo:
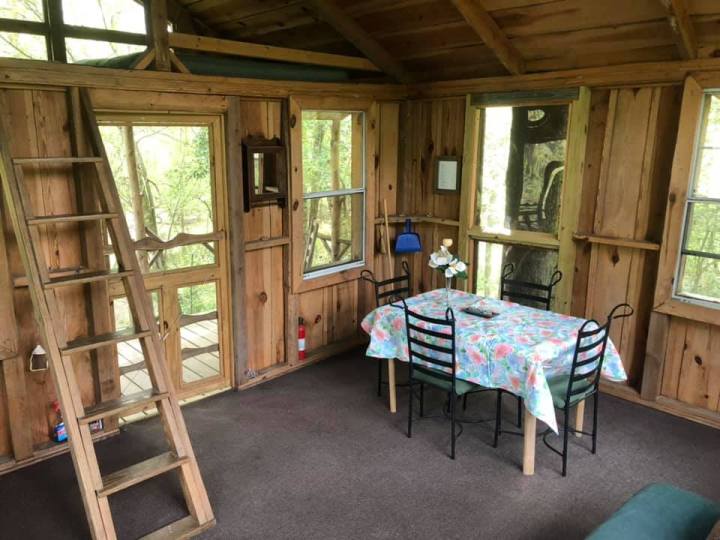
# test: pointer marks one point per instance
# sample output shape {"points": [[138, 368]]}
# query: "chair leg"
{"points": [[410, 407], [379, 377], [453, 398], [566, 430], [465, 402], [498, 418], [595, 419], [519, 412], [422, 399]]}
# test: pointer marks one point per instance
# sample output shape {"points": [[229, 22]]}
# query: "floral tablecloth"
{"points": [[517, 350]]}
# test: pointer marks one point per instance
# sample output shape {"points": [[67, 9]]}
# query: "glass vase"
{"points": [[448, 289]]}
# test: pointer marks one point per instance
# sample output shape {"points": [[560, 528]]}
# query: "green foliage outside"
{"points": [[173, 166], [124, 15]]}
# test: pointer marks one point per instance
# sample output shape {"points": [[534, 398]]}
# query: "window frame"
{"points": [[682, 180], [302, 281], [55, 31], [578, 101]]}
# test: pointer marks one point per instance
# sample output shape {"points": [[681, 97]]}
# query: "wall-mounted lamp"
{"points": [[38, 359]]}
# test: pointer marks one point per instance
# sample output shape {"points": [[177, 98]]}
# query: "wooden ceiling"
{"points": [[426, 40]]}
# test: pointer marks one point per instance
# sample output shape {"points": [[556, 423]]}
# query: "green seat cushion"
{"points": [[558, 389], [461, 387], [661, 512]]}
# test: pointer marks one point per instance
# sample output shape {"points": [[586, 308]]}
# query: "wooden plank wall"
{"points": [[264, 281], [429, 128], [39, 123], [625, 187]]}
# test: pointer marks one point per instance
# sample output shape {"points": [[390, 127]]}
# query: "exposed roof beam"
{"points": [[255, 50], [184, 20], [682, 27], [491, 34], [328, 11]]}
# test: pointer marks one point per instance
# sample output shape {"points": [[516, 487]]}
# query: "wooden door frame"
{"points": [[219, 272]]}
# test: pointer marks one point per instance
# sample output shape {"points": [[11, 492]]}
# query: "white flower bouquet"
{"points": [[447, 263]]}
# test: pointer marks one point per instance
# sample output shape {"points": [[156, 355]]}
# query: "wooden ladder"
{"points": [[94, 487]]}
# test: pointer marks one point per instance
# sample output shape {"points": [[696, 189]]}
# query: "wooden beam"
{"points": [[39, 72], [682, 27], [54, 18], [268, 52], [184, 21], [618, 76], [491, 34], [236, 217], [328, 11], [158, 34]]}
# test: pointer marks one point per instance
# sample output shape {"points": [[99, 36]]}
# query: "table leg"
{"points": [[529, 428], [391, 385], [579, 417]]}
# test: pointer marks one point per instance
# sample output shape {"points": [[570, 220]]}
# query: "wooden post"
{"points": [[579, 418], [530, 423], [236, 218], [54, 17], [158, 34], [13, 367]]}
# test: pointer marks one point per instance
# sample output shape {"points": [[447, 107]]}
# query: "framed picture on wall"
{"points": [[447, 174]]}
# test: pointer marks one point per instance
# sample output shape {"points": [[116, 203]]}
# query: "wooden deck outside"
{"points": [[200, 352]]}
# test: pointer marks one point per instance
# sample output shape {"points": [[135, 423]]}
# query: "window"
{"points": [[164, 176], [21, 35], [523, 158], [89, 30], [699, 263], [519, 191], [333, 190]]}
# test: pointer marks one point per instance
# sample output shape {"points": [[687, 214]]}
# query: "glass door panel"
{"points": [[199, 332]]}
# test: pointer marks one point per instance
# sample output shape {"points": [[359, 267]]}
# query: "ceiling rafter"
{"points": [[682, 27], [491, 34], [184, 20], [329, 12]]}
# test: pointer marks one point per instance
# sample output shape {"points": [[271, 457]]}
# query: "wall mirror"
{"points": [[265, 172]]}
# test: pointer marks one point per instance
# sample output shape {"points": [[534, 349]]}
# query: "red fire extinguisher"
{"points": [[301, 339]]}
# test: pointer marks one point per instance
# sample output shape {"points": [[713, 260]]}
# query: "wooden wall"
{"points": [[428, 129], [627, 173], [40, 127], [264, 281]]}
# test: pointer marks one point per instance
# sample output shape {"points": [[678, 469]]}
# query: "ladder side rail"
{"points": [[99, 519], [140, 305]]}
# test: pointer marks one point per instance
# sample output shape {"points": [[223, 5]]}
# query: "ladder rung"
{"points": [[121, 405], [90, 343], [87, 277], [139, 472], [186, 527], [69, 218], [59, 159]]}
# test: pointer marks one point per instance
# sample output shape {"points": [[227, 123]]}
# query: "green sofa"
{"points": [[661, 512]]}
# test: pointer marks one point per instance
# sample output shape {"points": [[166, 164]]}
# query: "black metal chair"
{"points": [[529, 294], [525, 293], [584, 378], [386, 291], [431, 351]]}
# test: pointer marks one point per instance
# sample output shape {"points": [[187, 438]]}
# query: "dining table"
{"points": [[517, 349]]}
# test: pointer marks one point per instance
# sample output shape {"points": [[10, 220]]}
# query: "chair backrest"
{"points": [[590, 353], [389, 289], [431, 343], [525, 292]]}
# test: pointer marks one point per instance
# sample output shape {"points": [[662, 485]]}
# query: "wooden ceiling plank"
{"points": [[268, 52], [346, 26], [682, 27], [491, 34]]}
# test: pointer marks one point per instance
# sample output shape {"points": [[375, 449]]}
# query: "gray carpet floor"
{"points": [[316, 454]]}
